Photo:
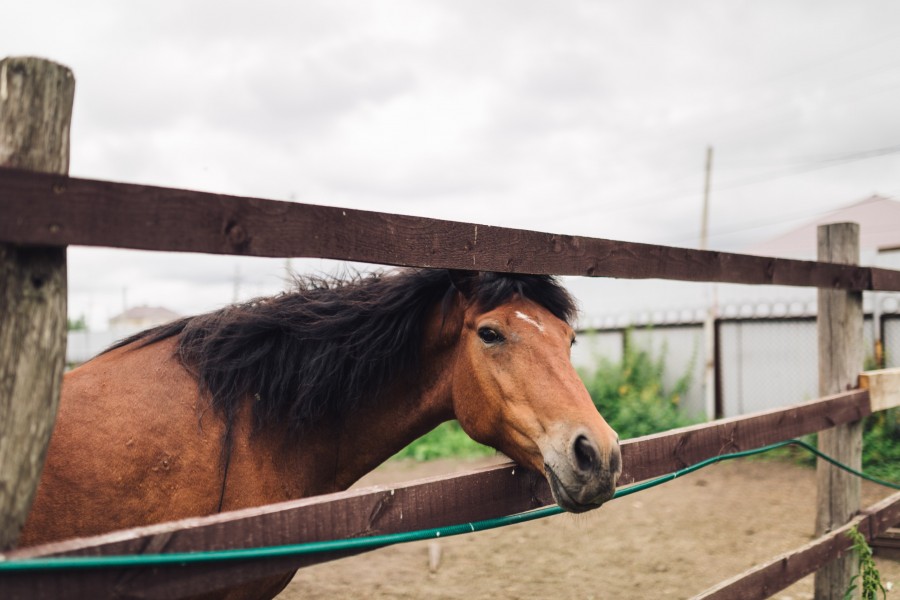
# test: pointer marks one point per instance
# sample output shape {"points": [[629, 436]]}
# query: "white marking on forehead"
{"points": [[530, 321]]}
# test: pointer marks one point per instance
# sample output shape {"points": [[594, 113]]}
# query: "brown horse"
{"points": [[303, 393]]}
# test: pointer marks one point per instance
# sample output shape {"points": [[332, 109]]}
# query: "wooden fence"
{"points": [[42, 210], [486, 493]]}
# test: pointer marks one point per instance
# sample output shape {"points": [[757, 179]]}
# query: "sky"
{"points": [[584, 118]]}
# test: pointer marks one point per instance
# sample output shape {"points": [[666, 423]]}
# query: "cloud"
{"points": [[588, 118]]}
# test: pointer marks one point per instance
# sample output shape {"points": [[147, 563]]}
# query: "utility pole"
{"points": [[289, 275], [704, 222], [236, 284], [709, 324]]}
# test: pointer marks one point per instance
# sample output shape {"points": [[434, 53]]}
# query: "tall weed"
{"points": [[631, 396], [881, 444]]}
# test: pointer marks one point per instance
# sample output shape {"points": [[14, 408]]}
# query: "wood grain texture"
{"points": [[482, 494], [62, 211], [661, 453], [416, 505], [887, 544], [840, 343], [883, 386], [35, 112], [767, 579]]}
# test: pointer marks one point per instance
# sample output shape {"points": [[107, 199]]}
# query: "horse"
{"points": [[303, 393]]}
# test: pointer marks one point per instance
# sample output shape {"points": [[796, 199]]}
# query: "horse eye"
{"points": [[489, 336]]}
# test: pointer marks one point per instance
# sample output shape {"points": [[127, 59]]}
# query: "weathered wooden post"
{"points": [[840, 327], [35, 115]]}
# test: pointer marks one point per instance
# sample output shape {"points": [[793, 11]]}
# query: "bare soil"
{"points": [[672, 541]]}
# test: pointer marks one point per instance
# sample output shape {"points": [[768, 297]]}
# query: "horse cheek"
{"points": [[472, 409]]}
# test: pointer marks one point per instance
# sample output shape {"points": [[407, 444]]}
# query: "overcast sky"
{"points": [[588, 118]]}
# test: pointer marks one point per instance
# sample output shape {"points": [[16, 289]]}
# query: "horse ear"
{"points": [[464, 281]]}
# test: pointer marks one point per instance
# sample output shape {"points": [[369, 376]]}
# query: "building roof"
{"points": [[146, 313], [878, 218]]}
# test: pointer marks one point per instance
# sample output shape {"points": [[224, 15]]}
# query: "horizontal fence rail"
{"points": [[52, 210], [483, 494], [767, 579]]}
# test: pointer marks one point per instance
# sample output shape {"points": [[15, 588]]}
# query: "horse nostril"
{"points": [[586, 456], [615, 460]]}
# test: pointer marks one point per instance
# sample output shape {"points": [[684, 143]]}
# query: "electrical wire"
{"points": [[813, 166], [794, 168]]}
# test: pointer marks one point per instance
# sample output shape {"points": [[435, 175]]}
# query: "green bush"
{"points": [[881, 445], [630, 394], [79, 324], [446, 440]]}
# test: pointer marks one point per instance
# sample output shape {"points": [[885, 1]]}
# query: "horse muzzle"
{"points": [[583, 477]]}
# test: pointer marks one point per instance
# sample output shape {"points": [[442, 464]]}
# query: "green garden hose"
{"points": [[376, 541]]}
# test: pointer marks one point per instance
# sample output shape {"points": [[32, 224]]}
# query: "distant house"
{"points": [[879, 231], [142, 317], [85, 344]]}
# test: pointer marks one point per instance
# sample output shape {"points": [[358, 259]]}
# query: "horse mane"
{"points": [[321, 350]]}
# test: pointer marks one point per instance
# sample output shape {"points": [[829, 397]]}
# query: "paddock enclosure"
{"points": [[44, 210]]}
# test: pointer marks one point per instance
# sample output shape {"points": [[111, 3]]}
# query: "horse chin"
{"points": [[564, 498]]}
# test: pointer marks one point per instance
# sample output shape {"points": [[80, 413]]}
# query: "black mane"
{"points": [[321, 350]]}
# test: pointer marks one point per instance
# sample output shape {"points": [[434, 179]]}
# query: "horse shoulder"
{"points": [[133, 445]]}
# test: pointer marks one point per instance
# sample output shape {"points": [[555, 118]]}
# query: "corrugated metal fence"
{"points": [[761, 362]]}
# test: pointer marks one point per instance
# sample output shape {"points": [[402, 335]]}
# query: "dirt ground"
{"points": [[672, 541]]}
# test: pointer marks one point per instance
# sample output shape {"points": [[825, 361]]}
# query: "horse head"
{"points": [[515, 389]]}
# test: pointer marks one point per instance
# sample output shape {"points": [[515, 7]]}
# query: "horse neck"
{"points": [[410, 407]]}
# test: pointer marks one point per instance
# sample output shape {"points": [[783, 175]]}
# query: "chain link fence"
{"points": [[680, 347], [891, 340]]}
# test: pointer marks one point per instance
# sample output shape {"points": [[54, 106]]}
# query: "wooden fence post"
{"points": [[840, 333], [35, 115]]}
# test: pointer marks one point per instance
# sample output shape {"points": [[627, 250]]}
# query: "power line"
{"points": [[812, 166], [822, 61], [759, 224], [768, 222], [687, 238], [797, 169]]}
